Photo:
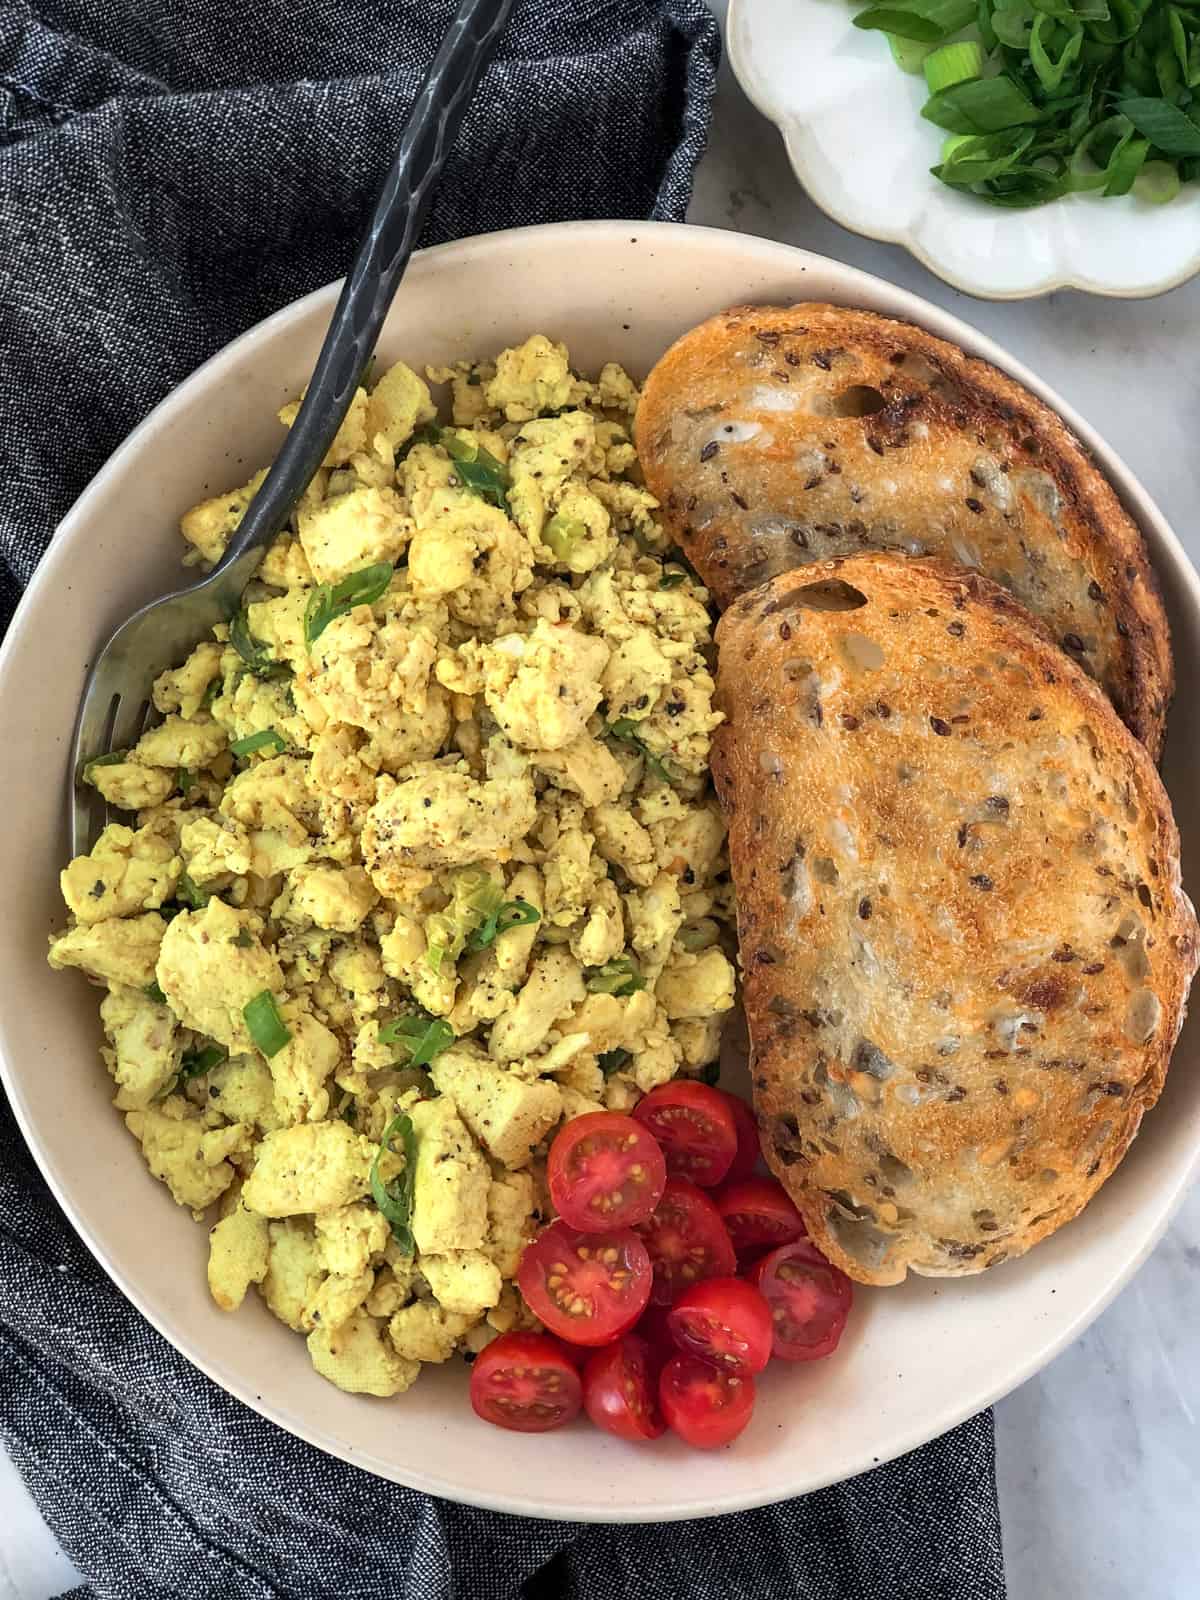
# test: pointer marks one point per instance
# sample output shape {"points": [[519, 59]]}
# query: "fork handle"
{"points": [[371, 284]]}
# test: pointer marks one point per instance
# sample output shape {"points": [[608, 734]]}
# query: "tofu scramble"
{"points": [[421, 861]]}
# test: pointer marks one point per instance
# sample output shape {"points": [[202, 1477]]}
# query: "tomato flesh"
{"points": [[524, 1382], [703, 1405], [605, 1171], [695, 1128], [585, 1287], [746, 1156], [686, 1241], [809, 1299], [620, 1393], [759, 1215], [726, 1322]]}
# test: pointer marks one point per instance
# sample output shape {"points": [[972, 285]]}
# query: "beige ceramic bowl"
{"points": [[916, 1359]]}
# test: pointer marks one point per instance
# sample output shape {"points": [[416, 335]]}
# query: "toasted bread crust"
{"points": [[750, 436], [964, 942]]}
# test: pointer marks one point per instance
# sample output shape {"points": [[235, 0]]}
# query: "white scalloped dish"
{"points": [[850, 119]]}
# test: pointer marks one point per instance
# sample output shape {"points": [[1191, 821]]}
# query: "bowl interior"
{"points": [[916, 1359]]}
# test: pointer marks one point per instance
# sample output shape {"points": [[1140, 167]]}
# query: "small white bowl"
{"points": [[915, 1360], [850, 119]]}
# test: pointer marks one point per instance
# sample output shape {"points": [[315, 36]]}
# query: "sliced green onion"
{"points": [[210, 694], [114, 758], [1050, 72], [184, 780], [908, 54], [618, 977], [328, 601], [611, 1061], [265, 1024], [985, 105], [195, 1063], [253, 742], [1168, 129], [976, 158], [421, 1037], [435, 954], [190, 892], [561, 534], [253, 651], [477, 914], [512, 914], [1125, 166], [626, 729], [927, 21], [951, 64], [395, 1199], [477, 469], [1013, 25], [1059, 96], [153, 992], [1157, 182]]}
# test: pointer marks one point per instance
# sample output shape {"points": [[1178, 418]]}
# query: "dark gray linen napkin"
{"points": [[170, 172]]}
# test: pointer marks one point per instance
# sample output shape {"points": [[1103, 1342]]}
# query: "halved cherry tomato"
{"points": [[746, 1158], [605, 1171], [759, 1215], [704, 1406], [695, 1127], [653, 1331], [585, 1287], [620, 1391], [523, 1381], [726, 1322], [809, 1299], [687, 1241]]}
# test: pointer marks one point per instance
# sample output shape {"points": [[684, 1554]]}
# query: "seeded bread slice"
{"points": [[964, 942], [775, 437]]}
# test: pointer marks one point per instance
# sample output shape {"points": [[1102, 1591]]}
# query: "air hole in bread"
{"points": [[848, 1207], [1142, 1016], [918, 368], [859, 400], [862, 653], [1129, 942], [786, 1140], [824, 869], [861, 1240], [869, 1058], [829, 595], [892, 1170]]}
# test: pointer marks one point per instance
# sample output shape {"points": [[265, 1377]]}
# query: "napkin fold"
{"points": [[173, 171]]}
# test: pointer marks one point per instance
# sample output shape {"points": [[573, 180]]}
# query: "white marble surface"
{"points": [[1099, 1457]]}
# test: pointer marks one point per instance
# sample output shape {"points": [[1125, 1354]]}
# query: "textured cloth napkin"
{"points": [[172, 171]]}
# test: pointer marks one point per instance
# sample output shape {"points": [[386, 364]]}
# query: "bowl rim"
{"points": [[818, 181], [793, 262]]}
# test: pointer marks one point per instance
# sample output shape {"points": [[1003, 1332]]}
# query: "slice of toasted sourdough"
{"points": [[774, 437], [964, 942]]}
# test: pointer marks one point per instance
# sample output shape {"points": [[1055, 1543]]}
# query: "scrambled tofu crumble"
{"points": [[424, 840]]}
